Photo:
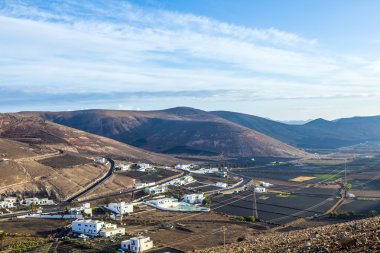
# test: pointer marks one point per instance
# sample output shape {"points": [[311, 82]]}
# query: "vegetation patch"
{"points": [[284, 195], [326, 177], [263, 197]]}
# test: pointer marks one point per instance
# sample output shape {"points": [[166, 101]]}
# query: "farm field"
{"points": [[65, 161], [361, 207], [277, 209]]}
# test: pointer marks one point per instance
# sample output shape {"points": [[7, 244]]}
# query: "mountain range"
{"points": [[184, 130], [178, 130]]}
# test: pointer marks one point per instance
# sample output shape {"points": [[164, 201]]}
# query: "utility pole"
{"points": [[255, 205], [345, 172], [224, 229]]}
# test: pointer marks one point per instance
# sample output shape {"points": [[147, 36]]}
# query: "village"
{"points": [[189, 191], [165, 207]]}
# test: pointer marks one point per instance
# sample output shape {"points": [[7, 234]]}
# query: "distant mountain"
{"points": [[46, 134], [318, 133], [178, 130]]}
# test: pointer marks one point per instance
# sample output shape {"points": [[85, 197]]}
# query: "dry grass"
{"points": [[301, 179]]}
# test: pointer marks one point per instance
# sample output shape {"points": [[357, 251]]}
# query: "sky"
{"points": [[285, 60]]}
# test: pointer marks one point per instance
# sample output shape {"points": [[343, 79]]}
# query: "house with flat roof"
{"points": [[120, 208], [137, 244]]}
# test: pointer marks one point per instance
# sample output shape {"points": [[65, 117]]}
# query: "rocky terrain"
{"points": [[354, 236]]}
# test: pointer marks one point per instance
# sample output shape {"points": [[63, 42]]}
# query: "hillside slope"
{"points": [[354, 236], [318, 133], [45, 134], [176, 131]]}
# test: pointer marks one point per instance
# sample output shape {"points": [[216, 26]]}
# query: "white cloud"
{"points": [[118, 47]]}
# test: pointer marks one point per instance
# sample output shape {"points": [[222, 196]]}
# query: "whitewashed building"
{"points": [[260, 189], [157, 189], [181, 181], [185, 167], [38, 201], [143, 185], [4, 204], [101, 160], [120, 208], [206, 171], [137, 244], [87, 227], [122, 167], [265, 184], [194, 198], [111, 231], [143, 166], [86, 208], [12, 200], [221, 185]]}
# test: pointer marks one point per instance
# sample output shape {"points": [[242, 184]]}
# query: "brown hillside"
{"points": [[36, 131], [176, 131]]}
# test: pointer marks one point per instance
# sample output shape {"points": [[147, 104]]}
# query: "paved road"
{"points": [[109, 173]]}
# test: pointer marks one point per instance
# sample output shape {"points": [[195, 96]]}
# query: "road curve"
{"points": [[92, 186]]}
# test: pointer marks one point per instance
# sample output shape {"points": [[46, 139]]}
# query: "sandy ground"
{"points": [[114, 184]]}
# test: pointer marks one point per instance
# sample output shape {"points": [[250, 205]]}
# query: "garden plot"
{"points": [[361, 207], [274, 208], [65, 161]]}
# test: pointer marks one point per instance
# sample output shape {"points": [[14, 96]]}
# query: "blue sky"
{"points": [[278, 59]]}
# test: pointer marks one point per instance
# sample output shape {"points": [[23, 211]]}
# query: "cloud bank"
{"points": [[109, 52]]}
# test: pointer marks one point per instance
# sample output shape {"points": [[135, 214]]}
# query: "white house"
{"points": [[157, 189], [12, 200], [144, 185], [101, 160], [185, 167], [221, 174], [206, 171], [221, 185], [38, 201], [137, 244], [111, 231], [181, 181], [86, 208], [87, 227], [143, 166], [122, 167], [350, 196], [265, 184], [260, 189], [194, 198], [120, 208], [4, 204]]}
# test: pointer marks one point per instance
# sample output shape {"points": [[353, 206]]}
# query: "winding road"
{"points": [[96, 183]]}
